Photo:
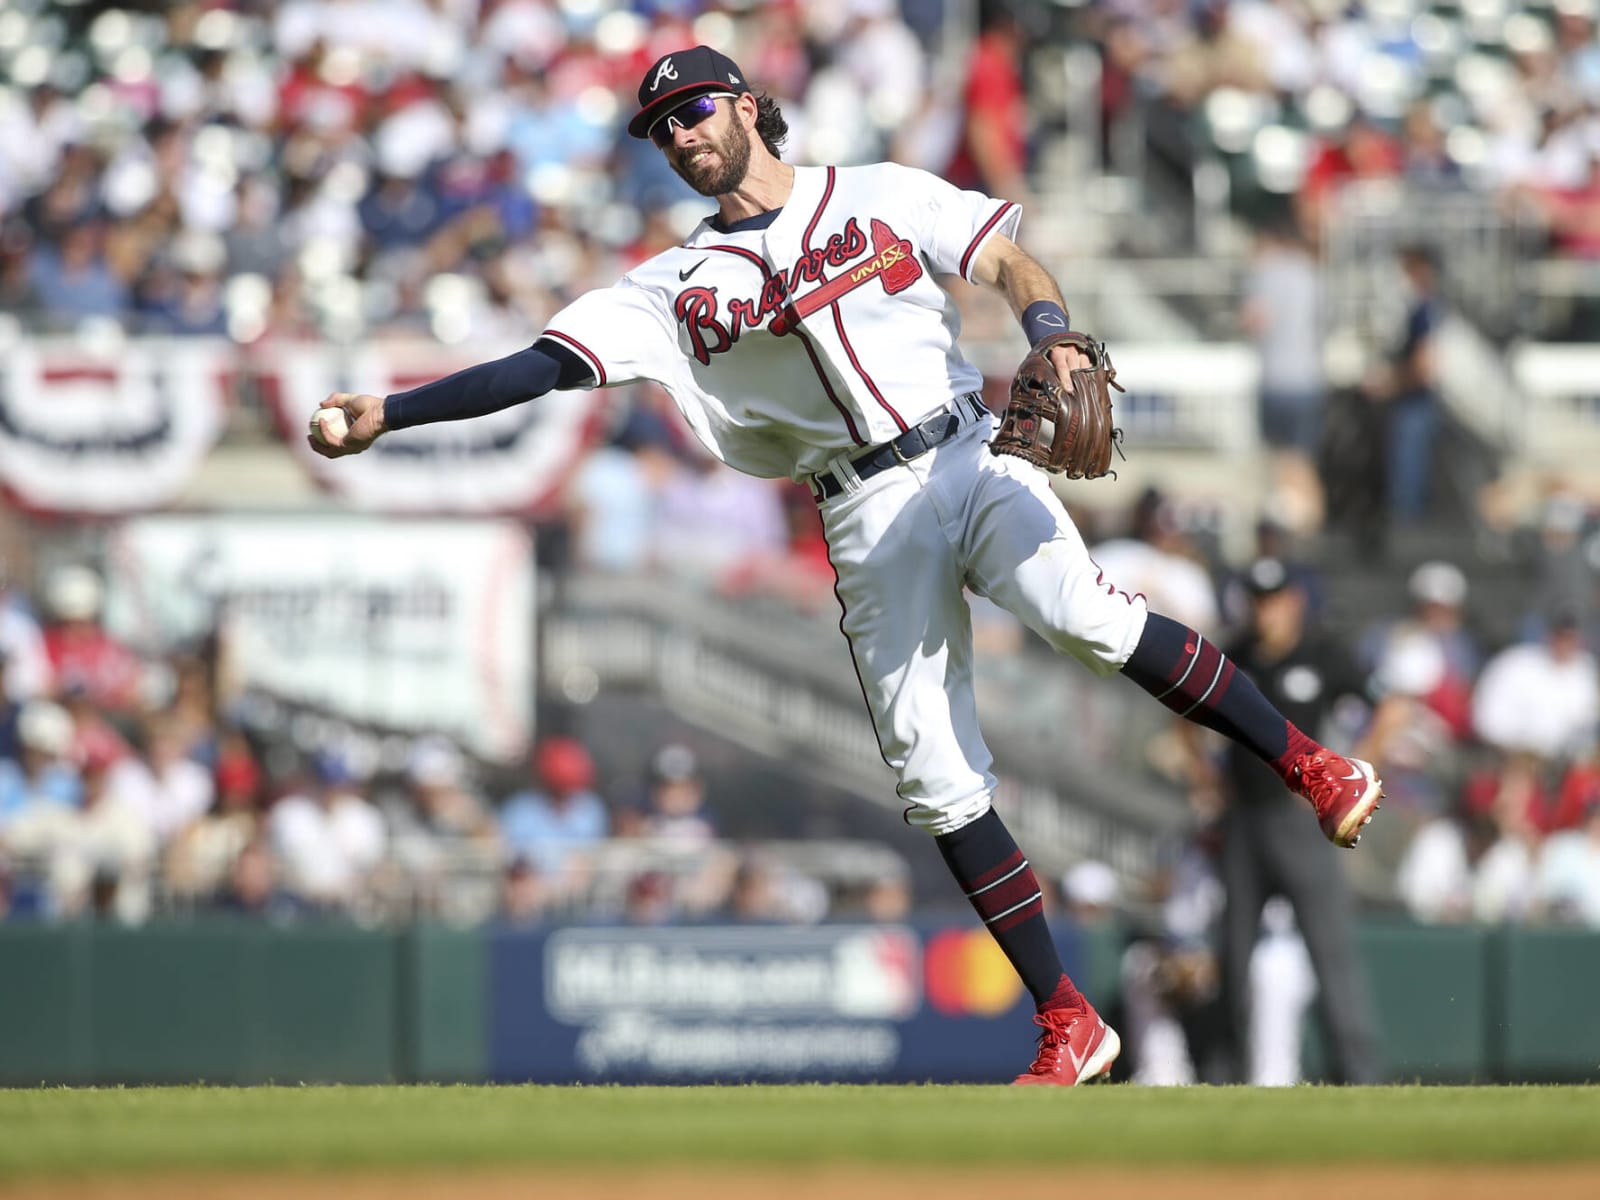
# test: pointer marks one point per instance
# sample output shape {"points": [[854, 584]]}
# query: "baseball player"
{"points": [[802, 332]]}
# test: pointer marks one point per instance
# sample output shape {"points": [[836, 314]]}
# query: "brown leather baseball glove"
{"points": [[1070, 433]]}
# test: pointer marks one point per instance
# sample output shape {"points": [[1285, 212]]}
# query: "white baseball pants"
{"points": [[904, 543]]}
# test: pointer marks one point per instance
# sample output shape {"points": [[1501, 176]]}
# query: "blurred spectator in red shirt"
{"points": [[778, 55], [323, 91], [1361, 152], [83, 655], [1512, 791], [993, 150], [93, 737], [1572, 214], [1579, 793]]}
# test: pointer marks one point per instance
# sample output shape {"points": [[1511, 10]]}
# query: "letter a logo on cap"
{"points": [[665, 71]]}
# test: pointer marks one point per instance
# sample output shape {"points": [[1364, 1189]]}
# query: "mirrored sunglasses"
{"points": [[686, 116]]}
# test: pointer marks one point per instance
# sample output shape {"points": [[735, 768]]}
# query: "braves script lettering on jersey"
{"points": [[821, 333], [796, 345]]}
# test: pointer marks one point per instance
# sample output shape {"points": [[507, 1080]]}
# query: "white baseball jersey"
{"points": [[789, 349], [822, 333]]}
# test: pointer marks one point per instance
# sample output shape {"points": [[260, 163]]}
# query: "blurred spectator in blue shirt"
{"points": [[645, 178], [544, 129], [183, 295], [397, 213], [614, 495], [41, 774], [552, 824], [73, 282], [1411, 391]]}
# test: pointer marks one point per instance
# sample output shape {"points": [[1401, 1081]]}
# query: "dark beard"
{"points": [[733, 152]]}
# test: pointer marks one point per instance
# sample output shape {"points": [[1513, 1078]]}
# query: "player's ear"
{"points": [[745, 105]]}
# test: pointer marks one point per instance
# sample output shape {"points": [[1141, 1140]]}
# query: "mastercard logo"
{"points": [[967, 974]]}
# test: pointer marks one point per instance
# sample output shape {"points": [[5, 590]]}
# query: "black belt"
{"points": [[916, 441]]}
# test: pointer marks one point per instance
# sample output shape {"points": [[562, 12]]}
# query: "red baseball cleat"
{"points": [[1075, 1047], [1344, 791]]}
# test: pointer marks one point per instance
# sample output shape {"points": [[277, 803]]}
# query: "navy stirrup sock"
{"points": [[1191, 676], [1003, 889]]}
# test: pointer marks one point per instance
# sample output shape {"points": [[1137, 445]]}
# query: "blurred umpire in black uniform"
{"points": [[1272, 846]]}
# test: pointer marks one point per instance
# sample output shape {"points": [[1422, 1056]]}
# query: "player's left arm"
{"points": [[1034, 296]]}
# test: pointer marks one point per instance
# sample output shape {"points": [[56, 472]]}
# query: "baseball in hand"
{"points": [[329, 424]]}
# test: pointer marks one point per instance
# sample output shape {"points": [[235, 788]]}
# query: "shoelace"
{"points": [[1052, 1040], [1315, 772]]}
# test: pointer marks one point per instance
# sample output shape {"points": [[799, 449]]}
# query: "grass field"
{"points": [[51, 1131]]}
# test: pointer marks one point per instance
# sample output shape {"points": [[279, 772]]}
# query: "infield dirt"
{"points": [[845, 1183]]}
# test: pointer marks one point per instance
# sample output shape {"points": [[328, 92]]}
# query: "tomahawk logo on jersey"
{"points": [[785, 343]]}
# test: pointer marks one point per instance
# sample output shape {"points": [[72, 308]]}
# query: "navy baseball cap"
{"points": [[679, 76]]}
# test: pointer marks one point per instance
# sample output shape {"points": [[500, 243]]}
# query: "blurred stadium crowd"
{"points": [[443, 166], [1308, 95], [457, 166], [127, 784], [453, 168], [129, 787]]}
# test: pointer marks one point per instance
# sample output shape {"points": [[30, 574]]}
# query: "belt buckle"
{"points": [[927, 444]]}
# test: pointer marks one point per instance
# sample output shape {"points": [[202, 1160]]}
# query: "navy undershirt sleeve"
{"points": [[489, 387]]}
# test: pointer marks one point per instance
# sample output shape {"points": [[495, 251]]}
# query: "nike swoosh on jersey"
{"points": [[683, 276]]}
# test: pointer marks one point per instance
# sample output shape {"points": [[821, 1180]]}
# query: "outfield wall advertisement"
{"points": [[424, 626], [702, 1004]]}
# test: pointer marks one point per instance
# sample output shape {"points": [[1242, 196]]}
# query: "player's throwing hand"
{"points": [[358, 424]]}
